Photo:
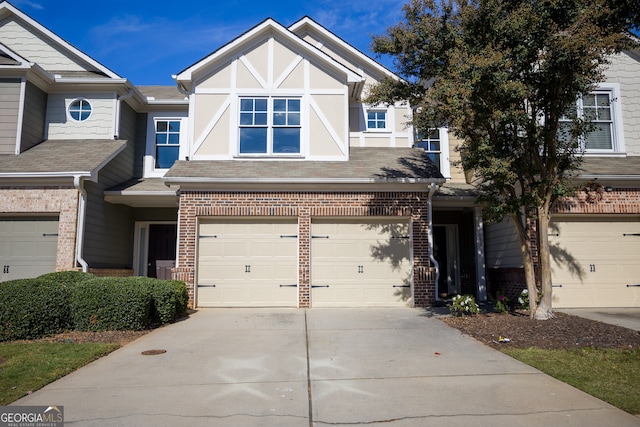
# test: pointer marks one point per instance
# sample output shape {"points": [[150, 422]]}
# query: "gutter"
{"points": [[78, 182], [432, 190], [204, 180]]}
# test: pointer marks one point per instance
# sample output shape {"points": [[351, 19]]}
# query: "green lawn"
{"points": [[27, 367], [608, 374]]}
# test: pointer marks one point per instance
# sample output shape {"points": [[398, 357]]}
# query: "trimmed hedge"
{"points": [[30, 309], [109, 303], [52, 303]]}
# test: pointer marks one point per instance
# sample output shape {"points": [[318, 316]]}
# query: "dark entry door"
{"points": [[162, 247]]}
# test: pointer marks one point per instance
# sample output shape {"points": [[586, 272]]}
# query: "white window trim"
{"points": [[618, 146], [150, 170], [387, 128], [270, 126], [445, 161], [71, 101]]}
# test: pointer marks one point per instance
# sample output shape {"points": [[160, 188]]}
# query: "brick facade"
{"points": [[59, 202], [305, 206]]}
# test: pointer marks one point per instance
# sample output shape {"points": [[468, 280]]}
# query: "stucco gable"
{"points": [[256, 36]]}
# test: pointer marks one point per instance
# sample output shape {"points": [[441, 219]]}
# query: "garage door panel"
{"points": [[246, 263], [594, 261], [28, 246], [360, 262]]}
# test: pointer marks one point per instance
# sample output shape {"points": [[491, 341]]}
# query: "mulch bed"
{"points": [[561, 332]]}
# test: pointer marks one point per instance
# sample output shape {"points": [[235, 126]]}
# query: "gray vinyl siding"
{"points": [[128, 118], [141, 144], [109, 228], [502, 247], [9, 109], [35, 110]]}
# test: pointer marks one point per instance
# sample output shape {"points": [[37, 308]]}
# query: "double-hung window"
{"points": [[270, 126], [431, 144], [167, 143], [599, 108]]}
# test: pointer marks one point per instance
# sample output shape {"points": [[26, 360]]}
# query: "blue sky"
{"points": [[148, 41]]}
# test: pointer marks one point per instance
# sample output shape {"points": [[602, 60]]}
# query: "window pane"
{"points": [[435, 158], [166, 156], [253, 140], [261, 105], [589, 100], [279, 119], [294, 105], [246, 119], [294, 119], [434, 134], [174, 138], [286, 140], [174, 126], [246, 105], [599, 139], [161, 126], [84, 115], [161, 138], [260, 119], [279, 105]]}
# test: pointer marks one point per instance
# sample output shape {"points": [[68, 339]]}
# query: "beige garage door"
{"points": [[360, 264], [595, 263], [28, 247], [247, 263]]}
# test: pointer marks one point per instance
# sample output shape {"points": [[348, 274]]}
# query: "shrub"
{"points": [[32, 308], [70, 277], [110, 303], [168, 298], [463, 305]]}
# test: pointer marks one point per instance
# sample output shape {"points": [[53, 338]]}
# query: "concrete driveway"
{"points": [[317, 367]]}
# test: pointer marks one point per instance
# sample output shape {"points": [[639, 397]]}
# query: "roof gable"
{"points": [[339, 49], [258, 34], [14, 22]]}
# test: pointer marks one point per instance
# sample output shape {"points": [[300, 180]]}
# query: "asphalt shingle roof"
{"points": [[376, 164], [60, 156], [612, 166], [162, 92]]}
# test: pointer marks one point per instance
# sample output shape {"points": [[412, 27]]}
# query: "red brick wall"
{"points": [[60, 202], [617, 201], [305, 206]]}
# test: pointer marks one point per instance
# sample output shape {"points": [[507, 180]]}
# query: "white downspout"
{"points": [[432, 190], [116, 125], [82, 209]]}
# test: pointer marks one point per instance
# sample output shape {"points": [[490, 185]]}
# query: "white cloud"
{"points": [[23, 4]]}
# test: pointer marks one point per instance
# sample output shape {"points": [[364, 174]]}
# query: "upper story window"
{"points": [[270, 126], [431, 144], [80, 110], [436, 143], [599, 107], [167, 143], [376, 119]]}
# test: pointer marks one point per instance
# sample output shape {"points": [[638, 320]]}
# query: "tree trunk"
{"points": [[544, 310], [522, 226]]}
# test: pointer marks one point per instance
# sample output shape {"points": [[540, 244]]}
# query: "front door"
{"points": [[162, 250], [445, 251]]}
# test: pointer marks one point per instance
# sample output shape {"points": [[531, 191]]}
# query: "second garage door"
{"points": [[595, 263], [356, 263], [28, 247], [247, 263]]}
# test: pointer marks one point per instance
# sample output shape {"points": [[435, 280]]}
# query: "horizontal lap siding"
{"points": [[34, 117], [9, 108], [304, 206]]}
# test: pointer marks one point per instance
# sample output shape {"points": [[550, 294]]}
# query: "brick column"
{"points": [[304, 254]]}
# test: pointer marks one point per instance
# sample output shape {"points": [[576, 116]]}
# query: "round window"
{"points": [[80, 110]]}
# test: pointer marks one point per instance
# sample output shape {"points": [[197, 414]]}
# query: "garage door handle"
{"points": [[401, 286], [319, 237], [632, 286], [206, 286], [288, 286], [556, 286], [399, 237], [288, 236], [49, 234], [319, 286], [631, 234]]}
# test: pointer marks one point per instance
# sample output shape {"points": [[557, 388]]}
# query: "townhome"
{"points": [[261, 178]]}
